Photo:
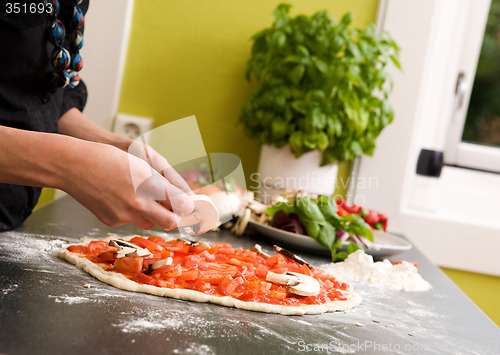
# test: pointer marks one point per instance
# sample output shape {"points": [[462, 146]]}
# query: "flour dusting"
{"points": [[360, 267], [9, 289], [138, 325], [202, 349], [30, 249], [70, 299], [169, 319]]}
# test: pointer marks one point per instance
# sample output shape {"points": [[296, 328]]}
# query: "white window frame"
{"points": [[455, 219], [457, 152]]}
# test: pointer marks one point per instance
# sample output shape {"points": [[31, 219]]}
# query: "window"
{"points": [[424, 101], [474, 138]]}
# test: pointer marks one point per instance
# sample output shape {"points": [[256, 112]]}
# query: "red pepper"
{"points": [[341, 211], [350, 209], [372, 218], [383, 220]]}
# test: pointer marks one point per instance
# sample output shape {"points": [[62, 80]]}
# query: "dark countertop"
{"points": [[45, 308]]}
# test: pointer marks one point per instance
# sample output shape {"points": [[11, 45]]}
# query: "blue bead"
{"points": [[60, 59], [56, 32], [77, 62], [76, 41], [60, 79], [77, 17], [74, 79]]}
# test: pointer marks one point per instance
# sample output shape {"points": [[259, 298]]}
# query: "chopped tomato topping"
{"points": [[225, 248], [106, 257], [228, 285], [98, 247], [194, 262], [189, 275], [208, 257], [294, 267], [167, 271], [178, 246], [304, 269], [129, 264], [277, 259], [212, 279], [261, 271], [143, 279], [80, 249], [196, 249], [158, 240], [147, 244], [279, 270], [202, 286]]}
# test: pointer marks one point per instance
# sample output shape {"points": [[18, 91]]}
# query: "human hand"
{"points": [[105, 179], [160, 168]]}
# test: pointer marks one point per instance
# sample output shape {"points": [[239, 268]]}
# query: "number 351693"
{"points": [[28, 8]]}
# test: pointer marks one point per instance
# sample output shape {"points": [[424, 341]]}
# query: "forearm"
{"points": [[34, 158], [75, 124], [100, 176]]}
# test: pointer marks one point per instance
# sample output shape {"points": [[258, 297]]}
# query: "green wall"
{"points": [[188, 57]]}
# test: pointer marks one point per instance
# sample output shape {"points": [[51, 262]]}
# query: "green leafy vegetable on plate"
{"points": [[322, 222]]}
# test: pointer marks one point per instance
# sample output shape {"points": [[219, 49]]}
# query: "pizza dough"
{"points": [[120, 281]]}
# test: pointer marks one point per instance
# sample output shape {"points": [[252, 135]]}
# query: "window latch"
{"points": [[460, 89]]}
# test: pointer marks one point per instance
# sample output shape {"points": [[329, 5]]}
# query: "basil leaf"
{"points": [[308, 209], [286, 207], [326, 235]]}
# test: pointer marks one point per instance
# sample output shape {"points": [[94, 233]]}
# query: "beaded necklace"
{"points": [[66, 63]]}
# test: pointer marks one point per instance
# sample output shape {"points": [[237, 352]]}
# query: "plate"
{"points": [[386, 244]]}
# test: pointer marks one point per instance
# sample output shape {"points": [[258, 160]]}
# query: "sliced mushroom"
{"points": [[291, 255], [258, 249], [198, 243], [257, 207], [124, 251], [203, 218], [158, 264], [140, 252], [128, 249], [296, 283], [117, 243], [167, 261], [242, 222]]}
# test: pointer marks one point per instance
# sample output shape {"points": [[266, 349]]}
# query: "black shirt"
{"points": [[26, 100]]}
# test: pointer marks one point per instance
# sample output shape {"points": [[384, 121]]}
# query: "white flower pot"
{"points": [[280, 170]]}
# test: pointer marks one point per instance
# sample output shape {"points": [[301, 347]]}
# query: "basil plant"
{"points": [[321, 85]]}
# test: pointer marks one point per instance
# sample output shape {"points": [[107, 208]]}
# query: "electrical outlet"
{"points": [[131, 126]]}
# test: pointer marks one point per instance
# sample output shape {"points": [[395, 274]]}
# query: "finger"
{"points": [[143, 223], [179, 201], [157, 188], [160, 164], [160, 216], [176, 179]]}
